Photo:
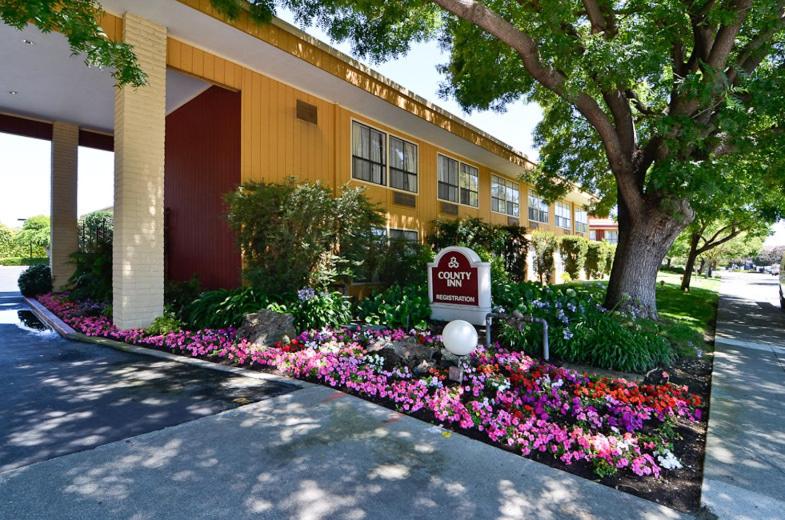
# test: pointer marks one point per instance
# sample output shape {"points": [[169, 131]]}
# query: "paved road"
{"points": [[744, 471], [60, 396]]}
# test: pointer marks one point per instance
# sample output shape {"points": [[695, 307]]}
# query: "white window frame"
{"points": [[540, 203], [560, 220], [387, 167], [460, 186], [581, 225], [404, 231], [506, 185]]}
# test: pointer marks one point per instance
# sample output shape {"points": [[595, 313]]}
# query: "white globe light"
{"points": [[460, 337]]}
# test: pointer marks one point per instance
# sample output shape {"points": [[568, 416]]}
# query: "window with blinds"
{"points": [[505, 196]]}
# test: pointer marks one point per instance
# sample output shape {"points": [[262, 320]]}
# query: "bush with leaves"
{"points": [[92, 277], [581, 330], [179, 295], [509, 243], [573, 251], [35, 280], [610, 255], [316, 309], [404, 306], [544, 244], [223, 308], [300, 235], [33, 239], [164, 324], [596, 258]]}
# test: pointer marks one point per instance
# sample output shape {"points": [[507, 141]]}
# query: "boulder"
{"points": [[402, 353], [265, 328]]}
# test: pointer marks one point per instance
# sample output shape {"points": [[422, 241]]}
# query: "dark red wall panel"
{"points": [[202, 164]]}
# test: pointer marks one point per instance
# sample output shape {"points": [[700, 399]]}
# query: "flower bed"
{"points": [[536, 409]]}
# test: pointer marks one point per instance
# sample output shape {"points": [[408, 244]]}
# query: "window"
{"points": [[593, 234], [563, 217], [368, 154], [470, 182], [611, 236], [538, 209], [505, 196], [404, 234], [403, 165], [458, 182], [581, 220]]}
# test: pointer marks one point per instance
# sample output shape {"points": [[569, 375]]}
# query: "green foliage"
{"points": [[179, 295], [581, 330], [544, 244], [610, 255], [35, 280], [223, 308], [33, 237], [317, 310], [573, 251], [508, 243], [404, 262], [78, 20], [397, 306], [596, 259], [164, 324], [7, 242], [300, 235], [92, 277], [18, 260]]}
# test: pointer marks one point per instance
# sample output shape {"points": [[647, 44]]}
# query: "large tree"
{"points": [[644, 101]]}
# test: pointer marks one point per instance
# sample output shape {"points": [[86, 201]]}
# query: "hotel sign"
{"points": [[459, 286]]}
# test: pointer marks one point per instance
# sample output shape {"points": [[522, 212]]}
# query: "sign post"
{"points": [[459, 286]]}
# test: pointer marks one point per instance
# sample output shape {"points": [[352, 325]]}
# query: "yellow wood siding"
{"points": [[275, 144]]}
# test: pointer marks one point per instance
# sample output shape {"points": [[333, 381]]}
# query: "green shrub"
{"points": [[397, 306], [164, 324], [19, 261], [610, 254], [405, 263], [596, 259], [179, 295], [35, 280], [223, 308], [544, 244], [573, 251], [581, 330], [509, 243], [33, 239], [300, 235], [92, 277], [317, 310]]}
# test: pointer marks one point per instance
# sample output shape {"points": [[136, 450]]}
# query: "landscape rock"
{"points": [[266, 327], [407, 353]]}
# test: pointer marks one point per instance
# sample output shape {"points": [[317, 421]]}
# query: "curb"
{"points": [[67, 332]]}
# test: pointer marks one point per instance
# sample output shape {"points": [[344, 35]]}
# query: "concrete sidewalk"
{"points": [[744, 470], [311, 454]]}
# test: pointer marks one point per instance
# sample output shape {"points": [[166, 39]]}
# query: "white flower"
{"points": [[668, 460]]}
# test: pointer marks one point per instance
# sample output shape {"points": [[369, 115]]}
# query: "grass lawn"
{"points": [[689, 317]]}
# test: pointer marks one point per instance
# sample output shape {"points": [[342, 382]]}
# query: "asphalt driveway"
{"points": [[61, 397]]}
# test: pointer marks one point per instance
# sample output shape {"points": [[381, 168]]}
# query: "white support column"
{"points": [[139, 132], [64, 232]]}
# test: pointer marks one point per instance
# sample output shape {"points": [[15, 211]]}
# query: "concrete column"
{"points": [[64, 232], [140, 125]]}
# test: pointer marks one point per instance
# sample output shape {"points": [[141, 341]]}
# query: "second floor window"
{"points": [[505, 196], [581, 220], [368, 154], [458, 182], [538, 209], [563, 217], [403, 165]]}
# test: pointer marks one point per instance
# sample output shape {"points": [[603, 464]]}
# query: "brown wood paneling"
{"points": [[96, 140], [202, 164], [25, 127]]}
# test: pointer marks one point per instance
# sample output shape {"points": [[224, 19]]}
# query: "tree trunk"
{"points": [[691, 257], [701, 266], [643, 243]]}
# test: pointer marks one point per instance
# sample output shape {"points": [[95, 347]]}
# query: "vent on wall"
{"points": [[307, 112], [450, 209], [404, 199], [512, 221]]}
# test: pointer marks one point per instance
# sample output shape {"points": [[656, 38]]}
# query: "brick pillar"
{"points": [[140, 122], [64, 233]]}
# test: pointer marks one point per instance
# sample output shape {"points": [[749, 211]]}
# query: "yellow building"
{"points": [[234, 101]]}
